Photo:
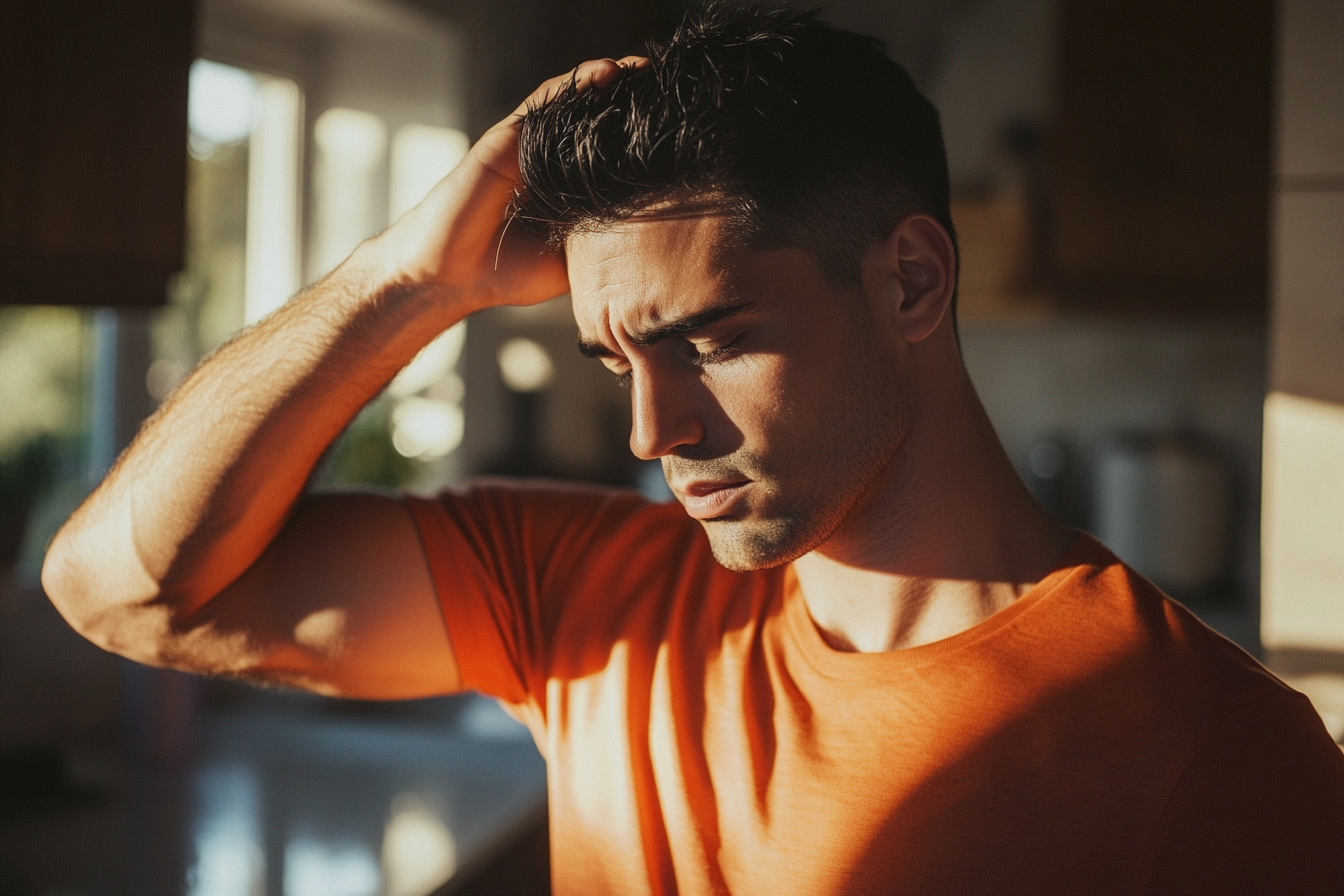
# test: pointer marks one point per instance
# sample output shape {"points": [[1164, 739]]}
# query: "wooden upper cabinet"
{"points": [[93, 149], [1159, 156]]}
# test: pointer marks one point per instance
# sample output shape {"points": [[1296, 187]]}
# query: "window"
{"points": [[245, 249]]}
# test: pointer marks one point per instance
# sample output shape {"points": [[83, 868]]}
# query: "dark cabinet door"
{"points": [[1159, 156], [92, 149]]}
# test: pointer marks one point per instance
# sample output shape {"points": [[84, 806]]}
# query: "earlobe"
{"points": [[919, 255]]}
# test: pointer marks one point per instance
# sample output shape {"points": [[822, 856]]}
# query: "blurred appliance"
{"points": [[1164, 505]]}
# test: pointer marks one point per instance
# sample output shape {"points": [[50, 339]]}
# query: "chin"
{"points": [[749, 545]]}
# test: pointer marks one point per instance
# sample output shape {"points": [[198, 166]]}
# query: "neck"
{"points": [[947, 536]]}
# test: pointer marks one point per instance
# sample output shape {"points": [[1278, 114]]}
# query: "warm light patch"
{"points": [[525, 365], [421, 156], [220, 103], [321, 632], [350, 149], [1302, 534], [433, 363], [426, 427], [419, 852], [273, 176]]}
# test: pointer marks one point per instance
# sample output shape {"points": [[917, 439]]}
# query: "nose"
{"points": [[663, 412]]}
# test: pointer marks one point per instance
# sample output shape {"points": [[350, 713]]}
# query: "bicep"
{"points": [[342, 602]]}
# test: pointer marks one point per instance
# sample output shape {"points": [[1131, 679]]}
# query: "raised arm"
{"points": [[197, 551]]}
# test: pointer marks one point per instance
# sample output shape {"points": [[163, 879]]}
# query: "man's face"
{"points": [[773, 400]]}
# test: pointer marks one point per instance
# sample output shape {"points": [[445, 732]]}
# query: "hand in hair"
{"points": [[460, 237]]}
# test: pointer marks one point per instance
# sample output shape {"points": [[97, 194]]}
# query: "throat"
{"points": [[893, 612]]}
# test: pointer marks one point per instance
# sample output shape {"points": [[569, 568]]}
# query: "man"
{"points": [[862, 659]]}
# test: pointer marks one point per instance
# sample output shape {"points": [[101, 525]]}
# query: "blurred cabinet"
{"points": [[1159, 156], [93, 149]]}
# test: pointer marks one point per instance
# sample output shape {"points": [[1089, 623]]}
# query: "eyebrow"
{"points": [[679, 327]]}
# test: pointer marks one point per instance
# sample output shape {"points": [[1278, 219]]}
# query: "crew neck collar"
{"points": [[1082, 552]]}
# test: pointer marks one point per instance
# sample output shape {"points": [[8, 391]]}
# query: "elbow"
{"points": [[85, 597], [64, 581]]}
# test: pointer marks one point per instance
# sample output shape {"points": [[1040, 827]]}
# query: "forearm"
{"points": [[210, 479]]}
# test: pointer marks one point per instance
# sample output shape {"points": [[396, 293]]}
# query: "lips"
{"points": [[706, 499]]}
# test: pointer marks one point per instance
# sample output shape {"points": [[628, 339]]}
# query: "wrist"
{"points": [[375, 273]]}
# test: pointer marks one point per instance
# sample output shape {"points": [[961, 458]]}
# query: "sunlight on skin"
{"points": [[322, 632]]}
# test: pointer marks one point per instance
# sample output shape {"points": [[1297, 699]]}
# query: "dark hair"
{"points": [[808, 135]]}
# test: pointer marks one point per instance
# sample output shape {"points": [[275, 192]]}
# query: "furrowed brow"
{"points": [[679, 327], [688, 324]]}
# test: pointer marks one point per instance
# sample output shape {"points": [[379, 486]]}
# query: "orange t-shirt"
{"points": [[701, 737]]}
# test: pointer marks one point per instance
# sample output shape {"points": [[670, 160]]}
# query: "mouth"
{"points": [[708, 499]]}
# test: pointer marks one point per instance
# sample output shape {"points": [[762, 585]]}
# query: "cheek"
{"points": [[767, 398]]}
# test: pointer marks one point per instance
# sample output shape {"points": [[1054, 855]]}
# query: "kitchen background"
{"points": [[1150, 202]]}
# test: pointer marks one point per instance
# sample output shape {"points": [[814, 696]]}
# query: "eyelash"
{"points": [[700, 360], [719, 354]]}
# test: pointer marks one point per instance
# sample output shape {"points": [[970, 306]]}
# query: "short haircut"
{"points": [[809, 136]]}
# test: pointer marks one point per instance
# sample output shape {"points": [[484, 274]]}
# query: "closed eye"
{"points": [[725, 351], [722, 353], [697, 359]]}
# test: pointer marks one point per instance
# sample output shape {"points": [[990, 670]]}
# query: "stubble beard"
{"points": [[791, 519], [755, 541], [747, 545]]}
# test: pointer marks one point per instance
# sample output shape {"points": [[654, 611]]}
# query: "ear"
{"points": [[919, 265]]}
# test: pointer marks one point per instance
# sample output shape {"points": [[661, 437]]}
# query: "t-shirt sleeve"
{"points": [[508, 561], [1260, 810]]}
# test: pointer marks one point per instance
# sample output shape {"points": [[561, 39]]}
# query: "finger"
{"points": [[581, 77], [593, 73], [606, 74]]}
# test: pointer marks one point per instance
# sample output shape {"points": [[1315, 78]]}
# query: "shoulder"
{"points": [[1165, 678], [1129, 628], [1249, 785]]}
